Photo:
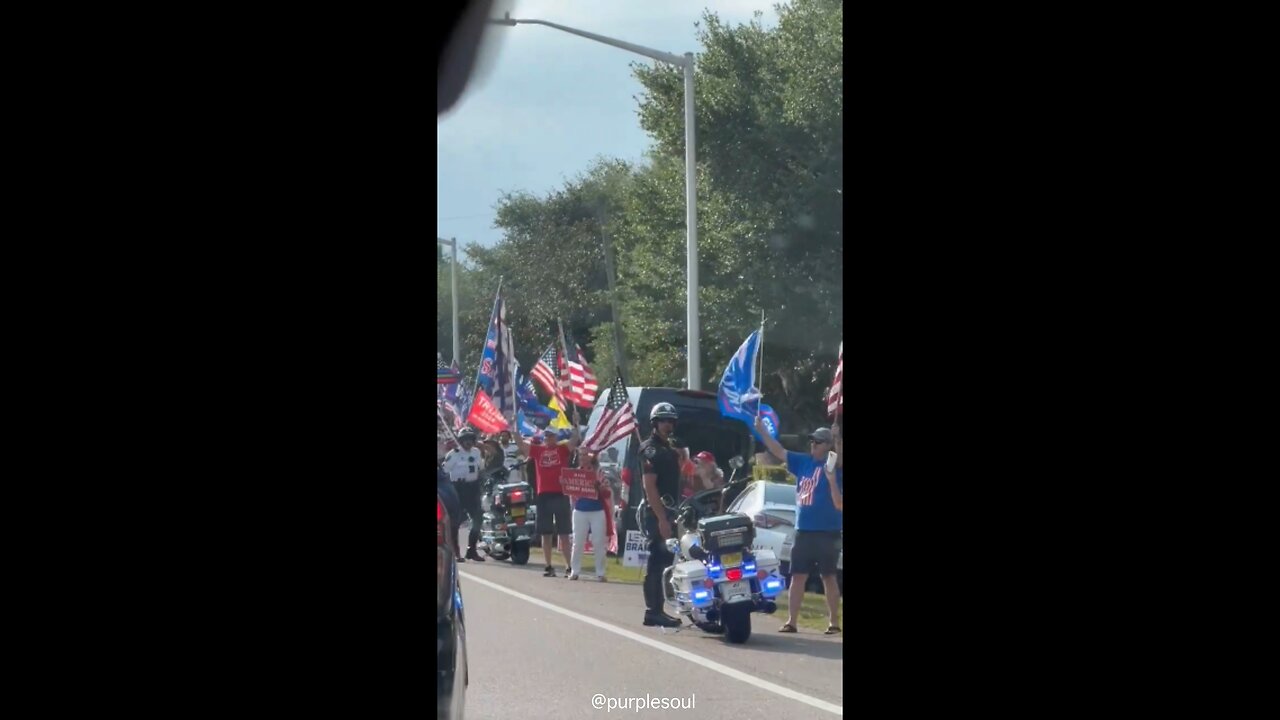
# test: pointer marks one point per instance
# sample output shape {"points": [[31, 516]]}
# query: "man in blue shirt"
{"points": [[819, 517]]}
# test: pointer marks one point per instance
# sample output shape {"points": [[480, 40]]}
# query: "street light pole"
{"points": [[453, 280], [693, 364], [693, 368]]}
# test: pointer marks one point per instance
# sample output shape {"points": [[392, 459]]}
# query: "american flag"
{"points": [[835, 396], [616, 422], [566, 377], [546, 372], [582, 380], [445, 375]]}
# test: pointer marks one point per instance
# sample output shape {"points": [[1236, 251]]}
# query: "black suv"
{"points": [[701, 427]]}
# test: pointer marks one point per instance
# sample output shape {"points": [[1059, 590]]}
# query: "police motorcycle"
{"points": [[507, 529], [716, 580]]}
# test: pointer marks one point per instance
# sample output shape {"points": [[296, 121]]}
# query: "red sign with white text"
{"points": [[580, 483]]}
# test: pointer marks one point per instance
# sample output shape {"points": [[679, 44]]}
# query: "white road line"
{"points": [[691, 657]]}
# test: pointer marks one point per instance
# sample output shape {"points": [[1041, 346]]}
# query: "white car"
{"points": [[773, 508]]}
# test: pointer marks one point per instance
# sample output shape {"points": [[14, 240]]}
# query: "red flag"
{"points": [[484, 416]]}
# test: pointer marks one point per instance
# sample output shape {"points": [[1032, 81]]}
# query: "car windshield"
{"points": [[780, 494]]}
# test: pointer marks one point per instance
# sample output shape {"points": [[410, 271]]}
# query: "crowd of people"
{"points": [[668, 472], [462, 466]]}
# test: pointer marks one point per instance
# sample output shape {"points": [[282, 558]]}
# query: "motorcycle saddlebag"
{"points": [[766, 562], [505, 491], [687, 574], [726, 533]]}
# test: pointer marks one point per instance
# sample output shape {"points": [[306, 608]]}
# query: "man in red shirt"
{"points": [[555, 517]]}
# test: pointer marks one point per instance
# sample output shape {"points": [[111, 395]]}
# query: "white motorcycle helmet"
{"points": [[663, 411]]}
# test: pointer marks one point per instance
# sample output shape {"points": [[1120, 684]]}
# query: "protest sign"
{"points": [[579, 483], [636, 551]]}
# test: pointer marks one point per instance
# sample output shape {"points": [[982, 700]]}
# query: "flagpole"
{"points": [[509, 362], [840, 404], [515, 379], [635, 430], [760, 353], [564, 353]]}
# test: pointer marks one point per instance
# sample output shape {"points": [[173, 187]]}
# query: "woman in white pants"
{"points": [[589, 519]]}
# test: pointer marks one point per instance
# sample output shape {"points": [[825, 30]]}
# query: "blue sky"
{"points": [[546, 103]]}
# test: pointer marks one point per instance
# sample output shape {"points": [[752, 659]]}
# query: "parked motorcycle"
{"points": [[507, 529], [716, 581]]}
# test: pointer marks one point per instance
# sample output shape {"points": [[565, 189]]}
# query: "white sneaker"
{"points": [[573, 577]]}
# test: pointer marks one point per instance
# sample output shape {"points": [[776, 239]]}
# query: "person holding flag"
{"points": [[548, 457], [819, 516]]}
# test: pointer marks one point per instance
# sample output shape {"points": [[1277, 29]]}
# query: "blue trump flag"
{"points": [[523, 425], [739, 398], [528, 400], [497, 361], [770, 420]]}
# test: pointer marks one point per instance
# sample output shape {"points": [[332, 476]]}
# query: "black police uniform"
{"points": [[659, 457]]}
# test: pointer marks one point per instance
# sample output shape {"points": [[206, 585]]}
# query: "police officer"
{"points": [[660, 463], [463, 465]]}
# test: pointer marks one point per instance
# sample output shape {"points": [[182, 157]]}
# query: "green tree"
{"points": [[770, 153]]}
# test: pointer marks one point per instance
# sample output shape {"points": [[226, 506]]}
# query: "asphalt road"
{"points": [[544, 647]]}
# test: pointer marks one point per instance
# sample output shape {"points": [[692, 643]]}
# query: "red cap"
{"points": [[704, 455]]}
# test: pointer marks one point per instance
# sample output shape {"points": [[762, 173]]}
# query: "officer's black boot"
{"points": [[474, 538], [654, 614], [659, 619]]}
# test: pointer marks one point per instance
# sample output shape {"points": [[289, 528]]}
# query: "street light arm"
{"points": [[638, 49], [693, 358]]}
